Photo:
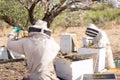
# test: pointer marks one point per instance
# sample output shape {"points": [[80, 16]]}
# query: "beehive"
{"points": [[68, 70]]}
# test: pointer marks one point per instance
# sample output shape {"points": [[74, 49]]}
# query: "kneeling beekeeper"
{"points": [[40, 50], [100, 40]]}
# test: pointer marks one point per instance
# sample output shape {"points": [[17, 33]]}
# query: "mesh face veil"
{"points": [[40, 26], [92, 30]]}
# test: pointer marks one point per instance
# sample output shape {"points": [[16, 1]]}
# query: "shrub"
{"points": [[100, 14]]}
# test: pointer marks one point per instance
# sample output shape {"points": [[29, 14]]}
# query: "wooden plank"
{"points": [[75, 42]]}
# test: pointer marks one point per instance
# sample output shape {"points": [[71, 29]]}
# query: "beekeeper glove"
{"points": [[14, 32], [22, 34]]}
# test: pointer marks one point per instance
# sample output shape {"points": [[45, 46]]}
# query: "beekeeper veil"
{"points": [[40, 27], [92, 30]]}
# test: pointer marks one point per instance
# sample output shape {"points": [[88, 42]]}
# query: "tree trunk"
{"points": [[9, 20], [48, 18], [31, 17], [31, 12]]}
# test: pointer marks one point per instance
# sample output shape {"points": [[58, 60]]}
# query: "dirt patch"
{"points": [[13, 70]]}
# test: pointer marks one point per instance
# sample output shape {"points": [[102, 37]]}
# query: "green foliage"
{"points": [[38, 12], [13, 9], [59, 21], [68, 19], [100, 6], [101, 16]]}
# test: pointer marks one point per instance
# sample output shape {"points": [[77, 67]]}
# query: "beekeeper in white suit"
{"points": [[40, 50], [100, 40]]}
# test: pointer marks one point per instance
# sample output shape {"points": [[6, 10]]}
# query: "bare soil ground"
{"points": [[12, 70], [15, 70]]}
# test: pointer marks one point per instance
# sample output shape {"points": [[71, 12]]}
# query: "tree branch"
{"points": [[8, 20], [58, 8], [63, 7], [31, 11]]}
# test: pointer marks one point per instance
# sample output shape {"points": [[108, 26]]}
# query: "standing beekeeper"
{"points": [[40, 50], [100, 40]]}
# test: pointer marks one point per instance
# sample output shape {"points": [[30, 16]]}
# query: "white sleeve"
{"points": [[101, 40], [16, 45]]}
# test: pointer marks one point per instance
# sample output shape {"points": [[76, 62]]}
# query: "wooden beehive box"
{"points": [[73, 70]]}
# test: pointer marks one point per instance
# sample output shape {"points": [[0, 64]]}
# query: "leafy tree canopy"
{"points": [[24, 12], [12, 11]]}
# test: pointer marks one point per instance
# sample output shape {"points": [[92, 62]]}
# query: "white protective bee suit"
{"points": [[100, 40], [40, 50]]}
